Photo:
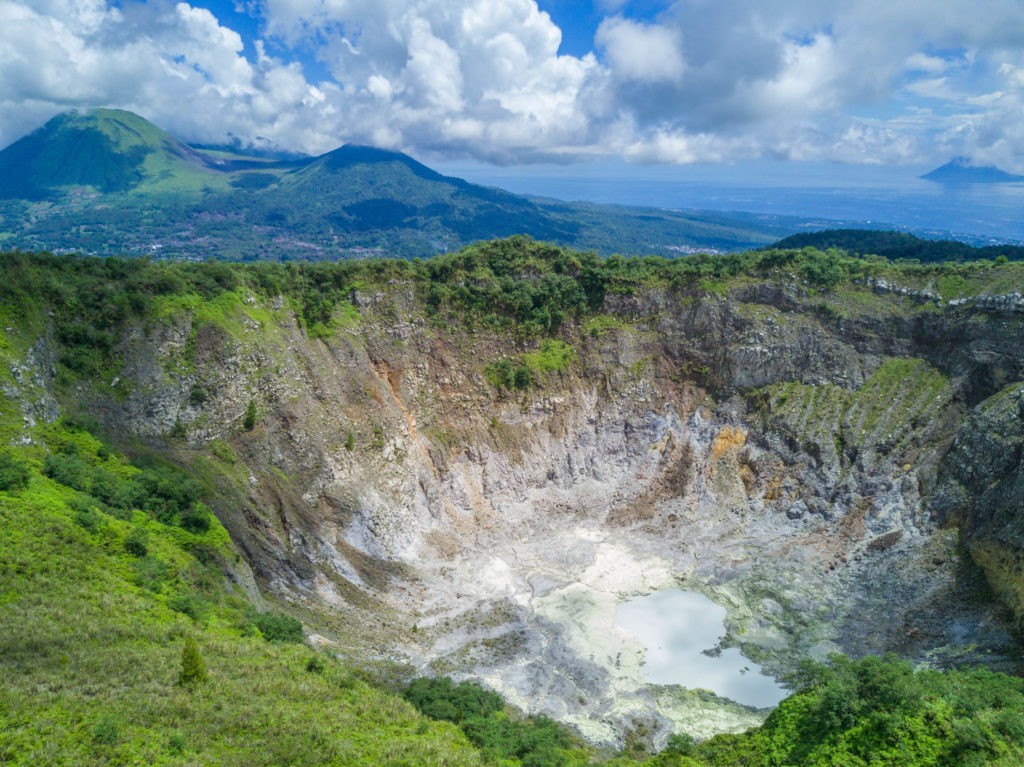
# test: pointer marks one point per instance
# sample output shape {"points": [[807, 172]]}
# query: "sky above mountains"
{"points": [[517, 81]]}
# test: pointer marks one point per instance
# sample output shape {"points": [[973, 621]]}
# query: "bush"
{"points": [[195, 519], [277, 627], [136, 542], [151, 573], [14, 473], [106, 732], [249, 420], [552, 356], [536, 741], [500, 374], [193, 606], [166, 492], [315, 665], [176, 743], [69, 470], [111, 489], [206, 554], [522, 378], [443, 699], [193, 668], [680, 743], [86, 513]]}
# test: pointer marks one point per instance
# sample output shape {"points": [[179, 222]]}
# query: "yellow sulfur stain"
{"points": [[729, 439]]}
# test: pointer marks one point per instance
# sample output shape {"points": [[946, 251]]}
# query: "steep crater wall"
{"points": [[760, 446]]}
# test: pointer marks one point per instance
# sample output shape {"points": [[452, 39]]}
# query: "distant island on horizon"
{"points": [[961, 170]]}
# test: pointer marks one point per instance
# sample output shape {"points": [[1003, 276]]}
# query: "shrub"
{"points": [[522, 378], [536, 741], [206, 554], [166, 492], [188, 604], [500, 374], [176, 743], [111, 489], [443, 699], [552, 356], [193, 668], [151, 573], [277, 627], [136, 542], [197, 395], [680, 743], [14, 474], [249, 420], [196, 518], [106, 732], [85, 510], [69, 470]]}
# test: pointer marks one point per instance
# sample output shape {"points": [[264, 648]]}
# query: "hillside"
{"points": [[108, 182], [462, 465], [104, 151]]}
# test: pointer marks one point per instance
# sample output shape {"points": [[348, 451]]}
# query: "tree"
{"points": [[193, 668]]}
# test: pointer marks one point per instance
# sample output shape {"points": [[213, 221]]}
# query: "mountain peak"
{"points": [[962, 170], [109, 150], [350, 155]]}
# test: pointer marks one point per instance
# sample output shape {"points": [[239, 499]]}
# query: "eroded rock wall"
{"points": [[763, 447], [982, 482]]}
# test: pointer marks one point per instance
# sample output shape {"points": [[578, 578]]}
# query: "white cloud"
{"points": [[644, 52], [703, 81], [921, 62], [174, 64], [481, 76]]}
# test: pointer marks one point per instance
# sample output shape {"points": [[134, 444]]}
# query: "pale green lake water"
{"points": [[676, 626]]}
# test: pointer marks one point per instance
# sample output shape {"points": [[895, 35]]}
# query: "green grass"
{"points": [[553, 356], [91, 640]]}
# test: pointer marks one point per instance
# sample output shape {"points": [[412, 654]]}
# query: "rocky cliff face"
{"points": [[982, 482], [785, 454]]}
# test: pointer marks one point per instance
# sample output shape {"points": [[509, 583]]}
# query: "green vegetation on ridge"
{"points": [[516, 285]]}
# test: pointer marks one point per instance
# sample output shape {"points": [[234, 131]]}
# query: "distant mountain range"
{"points": [[108, 181], [962, 171]]}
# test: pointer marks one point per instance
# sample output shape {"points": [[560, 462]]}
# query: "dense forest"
{"points": [[899, 245]]}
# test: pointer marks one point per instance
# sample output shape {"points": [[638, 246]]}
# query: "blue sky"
{"points": [[552, 82]]}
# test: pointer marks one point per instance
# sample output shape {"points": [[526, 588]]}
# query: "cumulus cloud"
{"points": [[644, 52], [874, 80], [175, 64], [483, 76]]}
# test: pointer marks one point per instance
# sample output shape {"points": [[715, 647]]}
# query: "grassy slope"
{"points": [[91, 634], [90, 651]]}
